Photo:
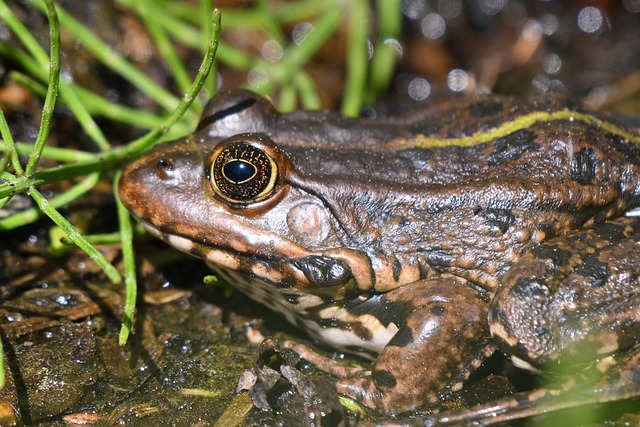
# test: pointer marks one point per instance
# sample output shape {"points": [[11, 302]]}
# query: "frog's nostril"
{"points": [[164, 168], [166, 165]]}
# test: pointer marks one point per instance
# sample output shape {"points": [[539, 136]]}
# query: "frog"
{"points": [[423, 242]]}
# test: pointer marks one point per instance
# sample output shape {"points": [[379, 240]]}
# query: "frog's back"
{"points": [[463, 187]]}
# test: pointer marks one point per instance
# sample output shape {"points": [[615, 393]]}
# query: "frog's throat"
{"points": [[329, 269]]}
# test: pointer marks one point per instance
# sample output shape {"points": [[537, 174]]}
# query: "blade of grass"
{"points": [[95, 105], [132, 150], [130, 282], [296, 56], [107, 238], [307, 90], [109, 57], [73, 235], [52, 89], [37, 66], [29, 216], [385, 54], [24, 35], [181, 31], [161, 40], [10, 154], [211, 85], [356, 58], [54, 153]]}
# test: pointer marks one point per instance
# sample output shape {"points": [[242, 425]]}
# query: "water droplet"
{"points": [[301, 31], [450, 8], [419, 89], [433, 26], [272, 51], [457, 80], [552, 63], [590, 19]]}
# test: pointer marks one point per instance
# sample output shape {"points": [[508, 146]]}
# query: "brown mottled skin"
{"points": [[421, 257]]}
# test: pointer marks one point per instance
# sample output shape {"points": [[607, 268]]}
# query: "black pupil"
{"points": [[238, 171]]}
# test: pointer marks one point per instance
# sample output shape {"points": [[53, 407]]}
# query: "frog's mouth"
{"points": [[311, 271]]}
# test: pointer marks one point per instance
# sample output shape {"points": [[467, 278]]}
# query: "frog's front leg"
{"points": [[573, 299], [444, 336]]}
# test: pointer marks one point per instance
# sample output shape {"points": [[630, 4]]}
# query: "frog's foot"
{"points": [[624, 385], [321, 362]]}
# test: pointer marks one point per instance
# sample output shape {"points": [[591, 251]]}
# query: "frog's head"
{"points": [[232, 201]]}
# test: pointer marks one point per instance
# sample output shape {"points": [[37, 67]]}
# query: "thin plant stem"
{"points": [[357, 58], [73, 235], [120, 155], [10, 154], [112, 60], [52, 89], [28, 216], [130, 282]]}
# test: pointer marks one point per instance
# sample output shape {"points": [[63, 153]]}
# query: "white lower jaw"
{"points": [[262, 288], [214, 256]]}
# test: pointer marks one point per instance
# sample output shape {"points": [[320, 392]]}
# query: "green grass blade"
{"points": [[73, 235], [357, 52], [130, 282], [52, 89], [10, 154], [29, 216], [109, 57], [120, 155], [163, 43], [385, 54]]}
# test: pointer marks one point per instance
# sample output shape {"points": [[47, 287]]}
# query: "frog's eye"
{"points": [[243, 171]]}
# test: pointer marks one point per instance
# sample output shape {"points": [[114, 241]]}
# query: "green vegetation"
{"points": [[171, 24]]}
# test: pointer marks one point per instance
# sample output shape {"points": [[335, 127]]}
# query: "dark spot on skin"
{"points": [[377, 305], [166, 164], [383, 378], [596, 271], [438, 310], [610, 231], [440, 259], [485, 108], [323, 271], [230, 111], [547, 229], [559, 256], [361, 331], [402, 338], [501, 218], [293, 299], [287, 283], [397, 268], [513, 146], [584, 165], [528, 287], [424, 270]]}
